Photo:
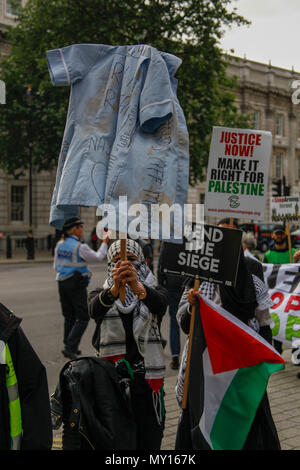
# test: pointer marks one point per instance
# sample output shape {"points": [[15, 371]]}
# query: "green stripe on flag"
{"points": [[239, 405]]}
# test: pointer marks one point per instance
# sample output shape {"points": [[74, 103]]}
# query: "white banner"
{"points": [[283, 281], [237, 175]]}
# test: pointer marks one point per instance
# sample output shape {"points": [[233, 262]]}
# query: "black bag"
{"points": [[80, 280]]}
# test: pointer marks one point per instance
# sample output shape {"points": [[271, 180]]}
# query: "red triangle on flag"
{"points": [[229, 346]]}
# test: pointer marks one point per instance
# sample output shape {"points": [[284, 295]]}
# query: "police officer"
{"points": [[71, 260]]}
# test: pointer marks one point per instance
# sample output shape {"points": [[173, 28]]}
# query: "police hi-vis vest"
{"points": [[69, 260], [15, 416]]}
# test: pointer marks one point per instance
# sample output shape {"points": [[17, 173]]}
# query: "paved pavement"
{"points": [[284, 396], [20, 256], [283, 390]]}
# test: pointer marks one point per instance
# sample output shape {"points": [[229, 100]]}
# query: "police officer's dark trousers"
{"points": [[73, 298]]}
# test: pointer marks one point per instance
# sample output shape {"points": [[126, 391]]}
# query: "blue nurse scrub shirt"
{"points": [[125, 133]]}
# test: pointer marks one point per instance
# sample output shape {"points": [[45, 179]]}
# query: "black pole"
{"points": [[8, 247], [30, 186], [30, 237]]}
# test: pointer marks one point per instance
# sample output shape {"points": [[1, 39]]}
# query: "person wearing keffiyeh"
{"points": [[127, 333]]}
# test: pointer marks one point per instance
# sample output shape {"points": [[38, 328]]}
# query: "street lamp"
{"points": [[30, 238]]}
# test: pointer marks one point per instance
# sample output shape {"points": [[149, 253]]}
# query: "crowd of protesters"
{"points": [[120, 392]]}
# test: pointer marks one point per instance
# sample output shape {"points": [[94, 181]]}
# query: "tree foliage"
{"points": [[190, 29]]}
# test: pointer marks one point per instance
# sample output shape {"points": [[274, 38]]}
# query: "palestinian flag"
{"points": [[229, 379]]}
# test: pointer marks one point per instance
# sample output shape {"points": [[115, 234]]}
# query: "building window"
{"points": [[256, 119], [202, 198], [10, 10], [279, 125], [278, 165], [17, 199]]}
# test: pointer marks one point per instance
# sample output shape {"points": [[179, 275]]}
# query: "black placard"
{"points": [[215, 259]]}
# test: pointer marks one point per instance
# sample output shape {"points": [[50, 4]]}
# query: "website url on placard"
{"points": [[235, 212]]}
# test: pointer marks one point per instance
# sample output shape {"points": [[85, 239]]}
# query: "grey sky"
{"points": [[274, 33]]}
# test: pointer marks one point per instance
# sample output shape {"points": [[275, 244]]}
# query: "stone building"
{"points": [[7, 18], [14, 193], [264, 91]]}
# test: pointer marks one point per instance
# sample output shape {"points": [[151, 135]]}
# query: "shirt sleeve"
{"points": [[97, 310], [183, 315], [156, 300], [156, 100], [92, 256], [70, 64]]}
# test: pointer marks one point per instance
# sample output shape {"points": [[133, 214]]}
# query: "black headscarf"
{"points": [[241, 299]]}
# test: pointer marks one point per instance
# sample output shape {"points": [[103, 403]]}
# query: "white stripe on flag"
{"points": [[215, 387]]}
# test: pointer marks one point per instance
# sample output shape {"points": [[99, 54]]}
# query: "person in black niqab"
{"points": [[241, 302]]}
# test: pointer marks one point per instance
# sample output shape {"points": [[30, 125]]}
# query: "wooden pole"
{"points": [[188, 360], [289, 240], [123, 254]]}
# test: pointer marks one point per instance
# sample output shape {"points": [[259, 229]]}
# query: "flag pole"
{"points": [[123, 255], [187, 368]]}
